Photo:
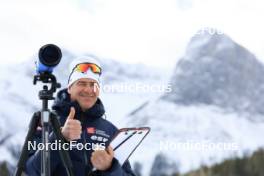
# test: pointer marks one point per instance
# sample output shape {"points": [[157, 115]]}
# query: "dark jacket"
{"points": [[95, 129]]}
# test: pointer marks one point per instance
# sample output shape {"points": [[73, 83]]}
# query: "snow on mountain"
{"points": [[218, 71], [19, 97], [214, 110]]}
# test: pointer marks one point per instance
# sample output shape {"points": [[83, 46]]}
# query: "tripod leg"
{"points": [[65, 157], [24, 154]]}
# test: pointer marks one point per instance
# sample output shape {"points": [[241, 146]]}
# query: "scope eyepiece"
{"points": [[49, 57]]}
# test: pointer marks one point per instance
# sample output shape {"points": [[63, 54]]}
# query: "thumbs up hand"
{"points": [[72, 128]]}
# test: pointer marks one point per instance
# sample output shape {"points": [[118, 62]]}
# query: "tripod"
{"points": [[47, 119]]}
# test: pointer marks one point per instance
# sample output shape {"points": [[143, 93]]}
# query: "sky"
{"points": [[153, 32]]}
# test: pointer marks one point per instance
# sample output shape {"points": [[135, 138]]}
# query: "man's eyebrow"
{"points": [[81, 82], [86, 82]]}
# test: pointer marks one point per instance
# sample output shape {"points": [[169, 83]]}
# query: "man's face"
{"points": [[85, 91]]}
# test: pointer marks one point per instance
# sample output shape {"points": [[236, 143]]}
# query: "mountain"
{"points": [[214, 109], [218, 71]]}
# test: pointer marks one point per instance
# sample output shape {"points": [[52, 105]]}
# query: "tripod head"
{"points": [[46, 77]]}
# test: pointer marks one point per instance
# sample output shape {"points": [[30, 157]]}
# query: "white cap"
{"points": [[75, 75]]}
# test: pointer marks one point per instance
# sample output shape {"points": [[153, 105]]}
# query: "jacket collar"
{"points": [[63, 103]]}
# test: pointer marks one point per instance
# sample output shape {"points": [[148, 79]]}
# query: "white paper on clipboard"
{"points": [[126, 141]]}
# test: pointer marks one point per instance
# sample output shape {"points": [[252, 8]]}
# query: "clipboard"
{"points": [[126, 142]]}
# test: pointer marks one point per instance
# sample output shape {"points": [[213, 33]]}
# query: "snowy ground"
{"points": [[195, 135]]}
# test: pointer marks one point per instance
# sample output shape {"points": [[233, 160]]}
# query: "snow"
{"points": [[172, 125], [5, 155]]}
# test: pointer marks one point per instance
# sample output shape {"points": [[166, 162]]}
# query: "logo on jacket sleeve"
{"points": [[93, 130], [97, 135], [99, 138], [90, 130]]}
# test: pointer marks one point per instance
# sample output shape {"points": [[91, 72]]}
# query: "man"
{"points": [[80, 112]]}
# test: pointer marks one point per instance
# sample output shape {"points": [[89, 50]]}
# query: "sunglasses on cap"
{"points": [[84, 67]]}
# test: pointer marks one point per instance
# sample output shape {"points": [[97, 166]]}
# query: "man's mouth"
{"points": [[86, 96]]}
